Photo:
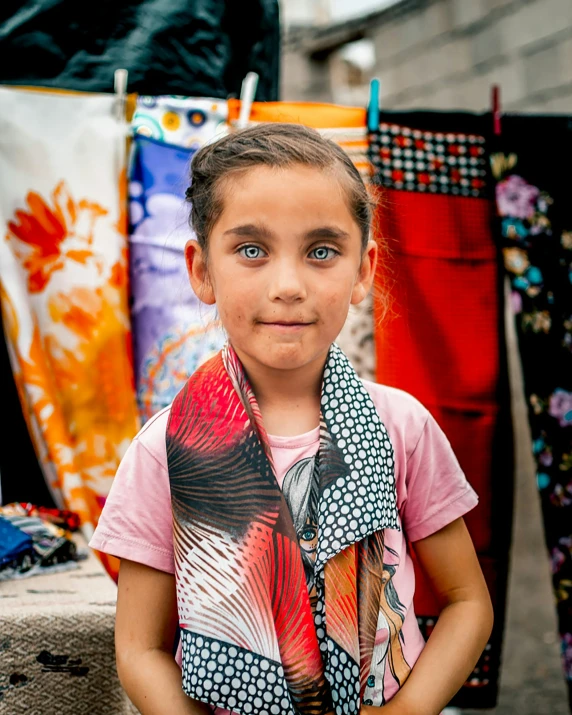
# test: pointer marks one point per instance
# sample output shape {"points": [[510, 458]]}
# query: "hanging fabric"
{"points": [[190, 47], [347, 127], [173, 331], [444, 341], [533, 189], [344, 125], [182, 121], [64, 286]]}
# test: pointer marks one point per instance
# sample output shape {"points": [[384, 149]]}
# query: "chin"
{"points": [[284, 356]]}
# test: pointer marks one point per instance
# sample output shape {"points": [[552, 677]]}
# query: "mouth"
{"points": [[286, 325]]}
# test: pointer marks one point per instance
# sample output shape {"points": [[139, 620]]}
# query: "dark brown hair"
{"points": [[274, 145]]}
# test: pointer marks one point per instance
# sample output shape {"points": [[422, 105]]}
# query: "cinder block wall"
{"points": [[446, 54]]}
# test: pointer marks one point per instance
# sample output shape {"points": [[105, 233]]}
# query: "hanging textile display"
{"points": [[63, 273], [173, 331], [182, 121], [191, 47], [444, 342], [533, 190], [347, 127]]}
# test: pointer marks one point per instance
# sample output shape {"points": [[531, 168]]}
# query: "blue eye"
{"points": [[251, 252], [308, 534], [322, 253]]}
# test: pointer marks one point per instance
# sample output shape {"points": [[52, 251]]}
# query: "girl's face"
{"points": [[285, 261]]}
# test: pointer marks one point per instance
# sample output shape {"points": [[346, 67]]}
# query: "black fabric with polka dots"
{"points": [[359, 496], [233, 678]]}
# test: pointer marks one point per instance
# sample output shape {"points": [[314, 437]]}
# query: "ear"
{"points": [[198, 274], [366, 274]]}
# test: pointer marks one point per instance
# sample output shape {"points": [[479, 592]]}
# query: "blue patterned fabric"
{"points": [[173, 332], [14, 543]]}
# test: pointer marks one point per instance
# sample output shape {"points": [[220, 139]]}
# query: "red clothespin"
{"points": [[496, 109]]}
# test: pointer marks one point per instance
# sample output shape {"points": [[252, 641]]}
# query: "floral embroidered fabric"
{"points": [[533, 189]]}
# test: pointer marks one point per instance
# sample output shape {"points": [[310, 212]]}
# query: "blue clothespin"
{"points": [[373, 106]]}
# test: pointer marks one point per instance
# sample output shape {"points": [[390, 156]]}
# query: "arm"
{"points": [[145, 630], [462, 630]]}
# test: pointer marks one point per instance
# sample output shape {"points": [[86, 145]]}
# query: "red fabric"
{"points": [[440, 341]]}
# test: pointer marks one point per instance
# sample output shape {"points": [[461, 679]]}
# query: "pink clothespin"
{"points": [[496, 109]]}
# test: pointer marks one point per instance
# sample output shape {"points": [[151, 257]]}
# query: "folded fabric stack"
{"points": [[64, 518], [32, 542]]}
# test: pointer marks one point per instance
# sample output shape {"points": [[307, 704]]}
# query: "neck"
{"points": [[289, 400]]}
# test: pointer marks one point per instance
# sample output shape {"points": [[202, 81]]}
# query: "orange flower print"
{"points": [[46, 235], [70, 345]]}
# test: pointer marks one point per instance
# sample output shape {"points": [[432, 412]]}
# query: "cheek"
{"points": [[234, 296], [235, 306], [341, 282], [230, 313], [335, 295]]}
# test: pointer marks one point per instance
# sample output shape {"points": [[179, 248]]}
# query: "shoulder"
{"points": [[432, 490], [402, 414], [151, 437], [136, 521]]}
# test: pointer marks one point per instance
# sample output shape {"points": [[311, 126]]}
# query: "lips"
{"points": [[284, 323], [284, 326]]}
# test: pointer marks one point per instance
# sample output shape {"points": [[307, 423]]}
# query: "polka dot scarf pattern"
{"points": [[253, 640], [351, 508]]}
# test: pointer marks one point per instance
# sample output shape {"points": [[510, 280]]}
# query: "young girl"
{"points": [[264, 521]]}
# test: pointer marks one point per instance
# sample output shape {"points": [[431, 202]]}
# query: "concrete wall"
{"points": [[446, 54]]}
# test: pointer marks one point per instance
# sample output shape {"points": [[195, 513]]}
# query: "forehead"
{"points": [[303, 194]]}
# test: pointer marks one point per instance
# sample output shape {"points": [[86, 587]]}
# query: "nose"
{"points": [[287, 283]]}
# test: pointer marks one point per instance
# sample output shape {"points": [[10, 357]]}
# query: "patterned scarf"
{"points": [[254, 640]]}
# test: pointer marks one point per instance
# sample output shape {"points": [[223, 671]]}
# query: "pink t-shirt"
{"points": [[432, 491]]}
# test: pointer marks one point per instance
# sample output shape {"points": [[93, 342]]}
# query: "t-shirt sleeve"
{"points": [[136, 522], [438, 492]]}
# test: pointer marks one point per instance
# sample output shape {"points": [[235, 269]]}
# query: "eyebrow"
{"points": [[251, 230], [327, 232]]}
